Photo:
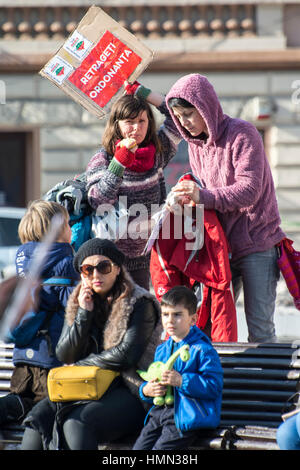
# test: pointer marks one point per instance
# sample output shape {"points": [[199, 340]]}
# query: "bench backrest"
{"points": [[259, 379], [6, 367]]}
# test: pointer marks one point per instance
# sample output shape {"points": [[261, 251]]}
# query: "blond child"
{"points": [[33, 360]]}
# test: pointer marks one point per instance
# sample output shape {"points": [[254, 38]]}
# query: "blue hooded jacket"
{"points": [[52, 298], [197, 403]]}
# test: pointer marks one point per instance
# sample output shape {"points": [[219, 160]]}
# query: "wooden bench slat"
{"points": [[5, 374], [266, 373], [258, 381], [251, 404], [252, 415], [242, 347], [6, 364], [260, 384], [281, 396], [258, 362]]}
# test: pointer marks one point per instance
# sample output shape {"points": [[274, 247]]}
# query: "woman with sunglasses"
{"points": [[110, 323]]}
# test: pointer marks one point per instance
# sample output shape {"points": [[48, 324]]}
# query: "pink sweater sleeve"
{"points": [[245, 168]]}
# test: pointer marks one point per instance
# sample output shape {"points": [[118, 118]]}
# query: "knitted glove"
{"points": [[137, 89], [124, 156]]}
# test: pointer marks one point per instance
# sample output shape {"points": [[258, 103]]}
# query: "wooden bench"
{"points": [[259, 379], [9, 433]]}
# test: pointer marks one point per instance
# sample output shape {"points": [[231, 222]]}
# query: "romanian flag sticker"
{"points": [[58, 69]]}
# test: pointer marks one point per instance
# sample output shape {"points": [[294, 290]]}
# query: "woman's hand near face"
{"points": [[85, 297]]}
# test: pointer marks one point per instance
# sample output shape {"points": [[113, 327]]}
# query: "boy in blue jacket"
{"points": [[197, 384], [33, 360]]}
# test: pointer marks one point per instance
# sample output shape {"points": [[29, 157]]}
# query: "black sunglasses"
{"points": [[104, 267]]}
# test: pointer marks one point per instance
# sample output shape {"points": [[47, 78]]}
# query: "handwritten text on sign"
{"points": [[103, 72]]}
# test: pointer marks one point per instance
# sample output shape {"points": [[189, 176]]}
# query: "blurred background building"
{"points": [[249, 50]]}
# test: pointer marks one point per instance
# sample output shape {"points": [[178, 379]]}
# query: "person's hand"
{"points": [[125, 151], [129, 143], [153, 388], [136, 88], [131, 88], [171, 377], [187, 191], [85, 297]]}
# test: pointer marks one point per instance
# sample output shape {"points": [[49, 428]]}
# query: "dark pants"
{"points": [[28, 386], [160, 433], [117, 414]]}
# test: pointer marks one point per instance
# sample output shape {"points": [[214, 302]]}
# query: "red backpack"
{"points": [[289, 265]]}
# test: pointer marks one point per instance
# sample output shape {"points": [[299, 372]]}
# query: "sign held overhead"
{"points": [[95, 61]]}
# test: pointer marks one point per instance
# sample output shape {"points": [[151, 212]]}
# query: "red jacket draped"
{"points": [[209, 266]]}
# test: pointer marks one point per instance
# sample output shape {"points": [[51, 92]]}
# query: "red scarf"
{"points": [[144, 159]]}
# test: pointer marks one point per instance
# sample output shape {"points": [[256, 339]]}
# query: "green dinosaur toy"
{"points": [[156, 369]]}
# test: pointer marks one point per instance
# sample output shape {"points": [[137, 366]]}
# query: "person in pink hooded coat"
{"points": [[227, 156]]}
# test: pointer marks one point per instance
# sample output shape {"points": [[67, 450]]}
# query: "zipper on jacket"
{"points": [[202, 410], [175, 416]]}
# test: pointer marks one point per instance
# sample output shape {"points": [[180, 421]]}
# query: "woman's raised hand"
{"points": [[85, 297]]}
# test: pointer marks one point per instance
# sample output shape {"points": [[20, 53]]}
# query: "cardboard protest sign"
{"points": [[95, 61]]}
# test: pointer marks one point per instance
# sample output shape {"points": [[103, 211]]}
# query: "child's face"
{"points": [[177, 321], [135, 128], [66, 233]]}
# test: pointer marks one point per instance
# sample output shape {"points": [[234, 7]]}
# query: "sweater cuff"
{"points": [[207, 199], [143, 92], [116, 167], [142, 396]]}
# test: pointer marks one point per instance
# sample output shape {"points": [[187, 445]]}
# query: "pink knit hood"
{"points": [[233, 170], [197, 90]]}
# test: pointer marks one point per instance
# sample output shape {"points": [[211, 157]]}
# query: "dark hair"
{"points": [[128, 106], [180, 295], [179, 102]]}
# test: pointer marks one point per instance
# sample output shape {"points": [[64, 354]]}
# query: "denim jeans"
{"points": [[258, 274], [288, 434]]}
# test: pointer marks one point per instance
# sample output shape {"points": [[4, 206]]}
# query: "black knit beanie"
{"points": [[98, 246]]}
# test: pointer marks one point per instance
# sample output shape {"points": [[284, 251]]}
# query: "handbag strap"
{"points": [[43, 330], [57, 281]]}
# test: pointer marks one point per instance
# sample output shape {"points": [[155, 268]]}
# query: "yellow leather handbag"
{"points": [[71, 383]]}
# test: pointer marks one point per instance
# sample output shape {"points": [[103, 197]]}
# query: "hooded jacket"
{"points": [[233, 169], [175, 262], [52, 299], [127, 336], [197, 402], [171, 265]]}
